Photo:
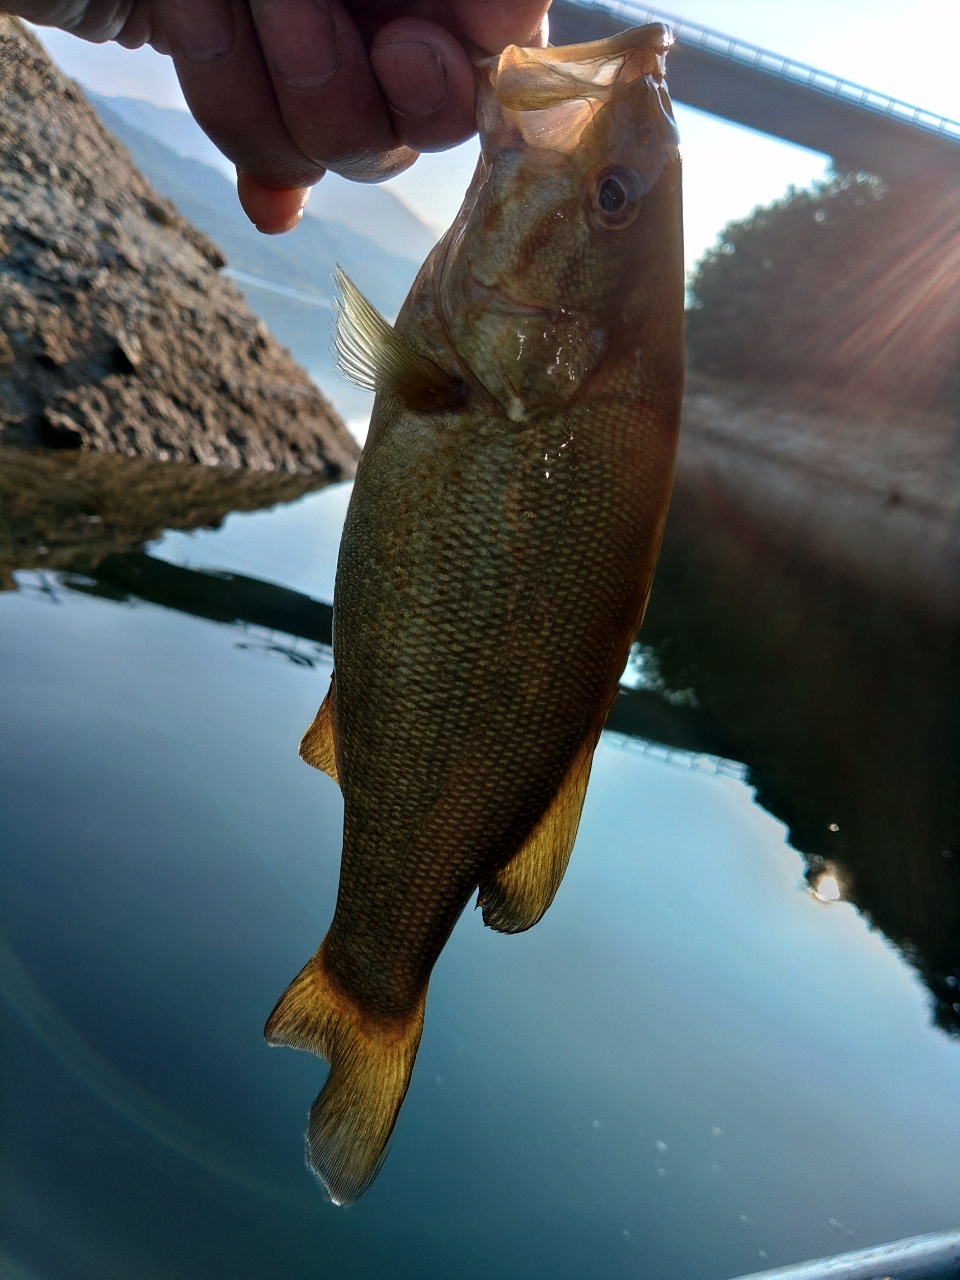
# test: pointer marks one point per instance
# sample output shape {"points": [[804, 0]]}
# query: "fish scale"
{"points": [[497, 553]]}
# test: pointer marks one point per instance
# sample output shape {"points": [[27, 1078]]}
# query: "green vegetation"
{"points": [[850, 285]]}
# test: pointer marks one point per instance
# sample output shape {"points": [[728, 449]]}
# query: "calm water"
{"points": [[691, 1068]]}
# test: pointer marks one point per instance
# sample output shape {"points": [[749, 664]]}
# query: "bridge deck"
{"points": [[856, 126]]}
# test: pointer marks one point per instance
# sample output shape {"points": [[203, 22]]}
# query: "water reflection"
{"points": [[214, 594], [690, 1064], [842, 701], [826, 887], [70, 510]]}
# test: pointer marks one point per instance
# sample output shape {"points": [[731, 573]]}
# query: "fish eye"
{"points": [[615, 200], [611, 197]]}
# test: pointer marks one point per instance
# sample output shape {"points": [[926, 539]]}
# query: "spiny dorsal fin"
{"points": [[372, 355], [515, 897]]}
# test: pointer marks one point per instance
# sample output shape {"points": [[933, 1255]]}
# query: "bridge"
{"points": [[858, 128]]}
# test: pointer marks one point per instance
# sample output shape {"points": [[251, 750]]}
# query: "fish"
{"points": [[497, 553]]}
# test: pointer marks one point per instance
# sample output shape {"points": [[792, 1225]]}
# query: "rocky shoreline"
{"points": [[117, 331]]}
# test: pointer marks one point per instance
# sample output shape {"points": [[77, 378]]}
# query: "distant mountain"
{"points": [[375, 212], [372, 211], [287, 280], [175, 129], [304, 260]]}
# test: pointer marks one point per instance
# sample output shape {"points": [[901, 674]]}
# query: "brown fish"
{"points": [[497, 554]]}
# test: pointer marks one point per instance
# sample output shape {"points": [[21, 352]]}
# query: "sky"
{"points": [[728, 170]]}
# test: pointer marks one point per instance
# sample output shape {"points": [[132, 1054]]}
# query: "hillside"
{"points": [[287, 280], [369, 210], [304, 259]]}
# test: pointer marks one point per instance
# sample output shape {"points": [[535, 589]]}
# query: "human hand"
{"points": [[290, 88]]}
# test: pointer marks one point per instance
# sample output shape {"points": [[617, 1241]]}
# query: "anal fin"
{"points": [[318, 745], [515, 897]]}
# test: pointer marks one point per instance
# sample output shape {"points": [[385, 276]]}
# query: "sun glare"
{"points": [[827, 889]]}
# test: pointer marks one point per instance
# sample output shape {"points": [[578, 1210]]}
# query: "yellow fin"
{"points": [[370, 1064], [318, 745], [516, 897], [372, 355]]}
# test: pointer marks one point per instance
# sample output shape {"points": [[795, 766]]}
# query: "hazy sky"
{"points": [[728, 170]]}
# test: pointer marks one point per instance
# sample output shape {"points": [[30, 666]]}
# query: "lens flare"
{"points": [[895, 326]]}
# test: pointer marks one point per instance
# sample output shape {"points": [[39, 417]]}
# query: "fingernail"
{"points": [[272, 210], [201, 31], [299, 38], [412, 76]]}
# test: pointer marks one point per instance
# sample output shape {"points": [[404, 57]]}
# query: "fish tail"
{"points": [[370, 1064]]}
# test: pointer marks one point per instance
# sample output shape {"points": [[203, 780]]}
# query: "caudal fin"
{"points": [[370, 1064]]}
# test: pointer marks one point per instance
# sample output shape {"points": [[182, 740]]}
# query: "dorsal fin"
{"points": [[372, 355]]}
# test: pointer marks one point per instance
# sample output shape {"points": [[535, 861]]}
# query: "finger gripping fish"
{"points": [[497, 554]]}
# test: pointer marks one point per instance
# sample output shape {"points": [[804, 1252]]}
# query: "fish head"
{"points": [[567, 254]]}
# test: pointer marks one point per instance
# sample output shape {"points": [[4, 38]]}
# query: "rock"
{"points": [[116, 331]]}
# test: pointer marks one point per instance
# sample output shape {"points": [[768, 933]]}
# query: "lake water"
{"points": [[694, 1067]]}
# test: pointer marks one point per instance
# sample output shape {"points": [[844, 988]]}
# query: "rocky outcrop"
{"points": [[117, 332]]}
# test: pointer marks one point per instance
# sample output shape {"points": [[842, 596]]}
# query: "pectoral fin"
{"points": [[515, 897], [372, 355], [318, 746]]}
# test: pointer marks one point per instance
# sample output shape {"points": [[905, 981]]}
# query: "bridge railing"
{"points": [[694, 35]]}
